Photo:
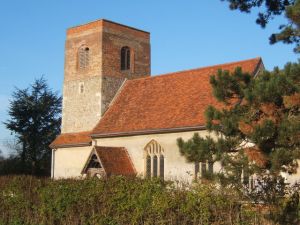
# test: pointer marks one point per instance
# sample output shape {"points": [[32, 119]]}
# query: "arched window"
{"points": [[245, 176], [248, 179], [161, 166], [155, 166], [83, 57], [155, 160], [197, 170], [148, 166], [125, 58], [210, 167], [204, 169]]}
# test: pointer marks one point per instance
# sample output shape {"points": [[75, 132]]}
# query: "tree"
{"points": [[35, 120], [289, 33], [258, 129], [10, 164], [1, 155]]}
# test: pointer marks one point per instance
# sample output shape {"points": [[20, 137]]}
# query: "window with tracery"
{"points": [[83, 57], [203, 168], [155, 165], [210, 167], [162, 166], [248, 179], [148, 166], [125, 58], [154, 160]]}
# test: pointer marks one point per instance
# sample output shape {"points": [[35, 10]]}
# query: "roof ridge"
{"points": [[195, 69], [108, 21], [134, 113], [80, 132], [102, 146]]}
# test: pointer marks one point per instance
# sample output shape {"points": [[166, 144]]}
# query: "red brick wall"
{"points": [[103, 76]]}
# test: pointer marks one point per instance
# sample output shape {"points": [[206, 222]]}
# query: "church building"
{"points": [[117, 119]]}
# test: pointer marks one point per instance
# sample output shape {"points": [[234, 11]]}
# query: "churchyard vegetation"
{"points": [[258, 133], [259, 123], [123, 201], [34, 120]]}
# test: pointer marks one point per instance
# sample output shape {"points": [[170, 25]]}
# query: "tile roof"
{"points": [[115, 161], [72, 139], [175, 100]]}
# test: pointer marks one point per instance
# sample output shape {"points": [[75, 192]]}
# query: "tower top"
{"points": [[99, 57], [101, 23]]}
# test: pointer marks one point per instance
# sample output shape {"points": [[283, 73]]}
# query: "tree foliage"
{"points": [[119, 200], [258, 129], [289, 33], [1, 155], [35, 120], [281, 200]]}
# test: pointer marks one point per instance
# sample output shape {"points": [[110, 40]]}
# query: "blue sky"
{"points": [[184, 35]]}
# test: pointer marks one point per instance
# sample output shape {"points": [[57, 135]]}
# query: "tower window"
{"points": [[83, 57], [81, 87], [125, 58]]}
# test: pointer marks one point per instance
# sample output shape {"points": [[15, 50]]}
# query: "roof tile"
{"points": [[72, 139], [115, 161], [173, 100]]}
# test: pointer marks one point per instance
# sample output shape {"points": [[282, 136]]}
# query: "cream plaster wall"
{"points": [[68, 162], [292, 178], [176, 166]]}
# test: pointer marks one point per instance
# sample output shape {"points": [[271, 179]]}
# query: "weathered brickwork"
{"points": [[113, 41], [110, 86], [91, 39], [81, 111], [87, 92]]}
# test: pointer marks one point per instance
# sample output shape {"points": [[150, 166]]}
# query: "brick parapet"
{"points": [[100, 24]]}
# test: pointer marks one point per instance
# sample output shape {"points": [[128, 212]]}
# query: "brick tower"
{"points": [[99, 56]]}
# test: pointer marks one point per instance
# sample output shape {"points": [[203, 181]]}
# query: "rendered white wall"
{"points": [[176, 166], [69, 162]]}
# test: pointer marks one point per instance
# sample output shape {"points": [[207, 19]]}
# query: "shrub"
{"points": [[118, 200]]}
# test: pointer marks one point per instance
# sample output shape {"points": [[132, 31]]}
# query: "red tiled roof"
{"points": [[72, 139], [174, 100], [115, 161]]}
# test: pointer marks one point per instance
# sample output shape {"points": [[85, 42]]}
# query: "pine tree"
{"points": [[35, 120], [289, 33], [258, 129]]}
